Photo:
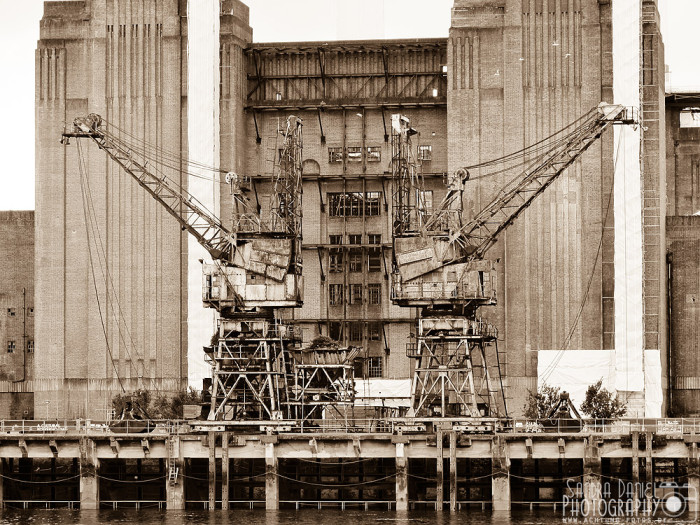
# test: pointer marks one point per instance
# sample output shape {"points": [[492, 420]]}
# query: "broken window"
{"points": [[30, 346], [374, 293], [375, 367], [425, 153], [11, 312], [374, 260], [335, 294], [355, 261], [336, 239], [335, 330], [374, 331], [11, 345], [354, 154], [355, 294], [355, 238], [30, 311], [372, 203], [335, 155], [355, 331], [374, 154], [374, 238], [335, 260]]}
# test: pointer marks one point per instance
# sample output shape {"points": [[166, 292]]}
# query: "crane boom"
{"points": [[429, 248], [191, 214]]}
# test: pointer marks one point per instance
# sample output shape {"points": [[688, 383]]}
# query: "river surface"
{"points": [[303, 517]]}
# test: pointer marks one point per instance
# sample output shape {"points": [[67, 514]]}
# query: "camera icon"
{"points": [[675, 500]]}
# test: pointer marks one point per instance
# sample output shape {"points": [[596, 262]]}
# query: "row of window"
{"points": [[354, 204], [355, 260], [355, 330], [355, 154], [356, 238], [371, 153], [336, 293], [12, 346], [11, 312]]}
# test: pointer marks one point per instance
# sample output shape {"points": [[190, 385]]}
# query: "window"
{"points": [[335, 330], [355, 239], [335, 155], [336, 239], [374, 292], [355, 261], [374, 331], [336, 204], [374, 238], [335, 294], [374, 154], [374, 260], [11, 345], [372, 203], [375, 367], [335, 260], [30, 346], [353, 204], [354, 154], [30, 311], [11, 312], [355, 294], [355, 331], [425, 153]]}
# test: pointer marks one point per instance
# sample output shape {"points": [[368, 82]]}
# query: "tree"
{"points": [[539, 403], [600, 403], [162, 406]]}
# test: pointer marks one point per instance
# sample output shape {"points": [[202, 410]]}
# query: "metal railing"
{"points": [[342, 424]]}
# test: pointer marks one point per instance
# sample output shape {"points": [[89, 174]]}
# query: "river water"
{"points": [[304, 517]]}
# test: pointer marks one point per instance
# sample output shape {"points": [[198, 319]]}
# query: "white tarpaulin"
{"points": [[203, 141], [653, 391], [574, 370], [629, 326], [383, 392]]}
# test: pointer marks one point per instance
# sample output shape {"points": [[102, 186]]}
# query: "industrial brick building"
{"points": [[509, 75], [16, 314]]}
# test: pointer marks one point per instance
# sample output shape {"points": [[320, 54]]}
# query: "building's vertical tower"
{"points": [[655, 276], [519, 70], [110, 263]]}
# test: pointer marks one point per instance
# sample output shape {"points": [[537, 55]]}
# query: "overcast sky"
{"points": [[272, 20]]}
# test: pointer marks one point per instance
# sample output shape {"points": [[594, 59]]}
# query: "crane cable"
{"points": [[92, 268], [558, 357]]}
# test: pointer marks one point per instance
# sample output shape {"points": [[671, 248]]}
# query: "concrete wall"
{"points": [[110, 262], [16, 313]]}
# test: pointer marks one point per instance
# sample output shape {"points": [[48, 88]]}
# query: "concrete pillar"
{"points": [[212, 470], [693, 477], [649, 461], [592, 470], [272, 489], [500, 476], [401, 477], [89, 483], [439, 496], [453, 471], [224, 471], [175, 488], [635, 468]]}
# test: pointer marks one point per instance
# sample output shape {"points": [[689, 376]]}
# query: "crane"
{"points": [[256, 269], [439, 265]]}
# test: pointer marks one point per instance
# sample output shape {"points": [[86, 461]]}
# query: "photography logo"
{"points": [[619, 501]]}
